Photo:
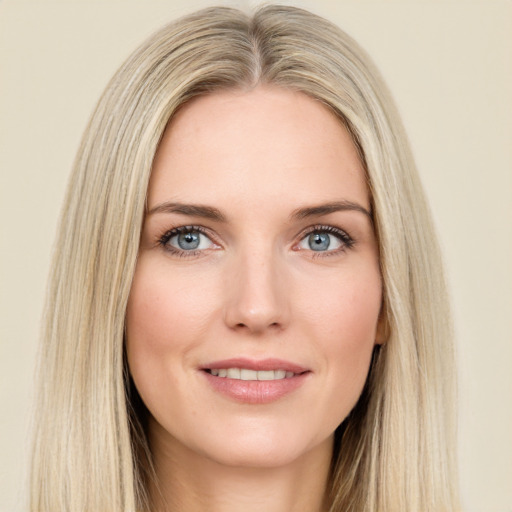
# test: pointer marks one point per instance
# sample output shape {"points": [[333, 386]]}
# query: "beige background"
{"points": [[449, 65]]}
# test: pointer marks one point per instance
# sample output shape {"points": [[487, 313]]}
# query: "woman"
{"points": [[247, 306]]}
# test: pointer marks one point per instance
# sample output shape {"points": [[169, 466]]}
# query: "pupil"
{"points": [[319, 241], [188, 240]]}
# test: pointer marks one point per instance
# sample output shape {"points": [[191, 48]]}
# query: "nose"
{"points": [[257, 297]]}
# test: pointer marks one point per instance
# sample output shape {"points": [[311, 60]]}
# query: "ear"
{"points": [[383, 330]]}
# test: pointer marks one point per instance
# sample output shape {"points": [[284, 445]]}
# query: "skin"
{"points": [[255, 288]]}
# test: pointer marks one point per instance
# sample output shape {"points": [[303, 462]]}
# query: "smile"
{"points": [[247, 374], [255, 381]]}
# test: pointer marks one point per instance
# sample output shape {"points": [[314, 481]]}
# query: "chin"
{"points": [[262, 448]]}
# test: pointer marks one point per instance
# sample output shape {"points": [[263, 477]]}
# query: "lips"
{"points": [[255, 382]]}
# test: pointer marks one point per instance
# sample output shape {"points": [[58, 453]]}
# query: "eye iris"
{"points": [[319, 241], [188, 240]]}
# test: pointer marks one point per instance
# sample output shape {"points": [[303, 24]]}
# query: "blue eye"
{"points": [[326, 239], [319, 241], [186, 239]]}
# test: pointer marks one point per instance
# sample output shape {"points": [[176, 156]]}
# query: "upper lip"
{"points": [[257, 365]]}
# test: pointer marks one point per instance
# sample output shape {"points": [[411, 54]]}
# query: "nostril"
{"points": [[273, 325]]}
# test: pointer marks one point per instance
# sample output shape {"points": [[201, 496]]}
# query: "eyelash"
{"points": [[164, 239], [347, 241]]}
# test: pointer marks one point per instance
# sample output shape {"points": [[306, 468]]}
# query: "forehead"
{"points": [[266, 144]]}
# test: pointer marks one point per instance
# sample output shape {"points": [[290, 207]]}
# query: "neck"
{"points": [[188, 482]]}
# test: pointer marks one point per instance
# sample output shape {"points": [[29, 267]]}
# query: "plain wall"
{"points": [[449, 66]]}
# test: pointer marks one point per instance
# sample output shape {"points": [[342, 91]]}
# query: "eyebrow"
{"points": [[193, 210], [325, 209], [209, 212]]}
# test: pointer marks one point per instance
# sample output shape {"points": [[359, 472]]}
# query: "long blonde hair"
{"points": [[395, 451]]}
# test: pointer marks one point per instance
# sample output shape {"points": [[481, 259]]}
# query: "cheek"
{"points": [[344, 309], [166, 318], [164, 308], [343, 321]]}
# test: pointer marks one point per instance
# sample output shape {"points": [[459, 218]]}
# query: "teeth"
{"points": [[269, 375], [233, 373], [246, 374]]}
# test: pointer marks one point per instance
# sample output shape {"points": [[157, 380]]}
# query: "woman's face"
{"points": [[258, 261]]}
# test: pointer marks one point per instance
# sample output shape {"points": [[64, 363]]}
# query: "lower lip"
{"points": [[255, 391]]}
